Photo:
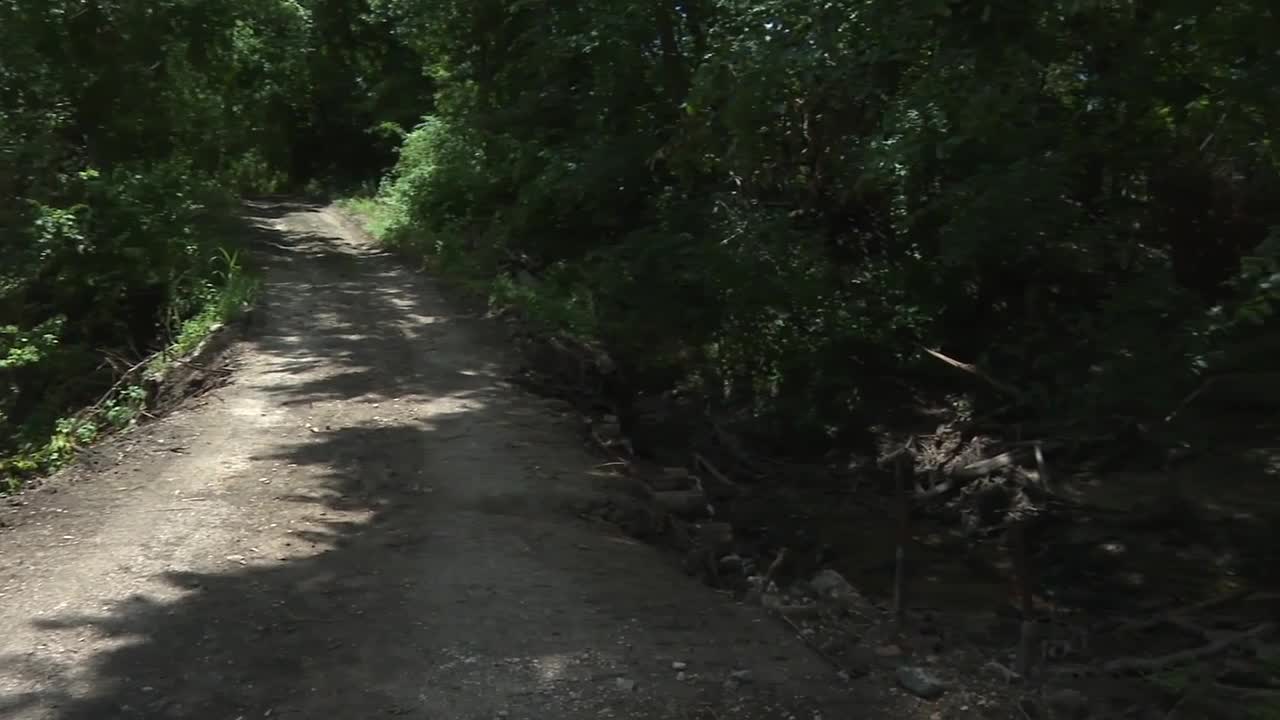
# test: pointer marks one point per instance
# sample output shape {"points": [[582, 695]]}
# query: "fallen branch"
{"points": [[982, 468], [608, 447], [1212, 382], [958, 477], [1146, 666], [773, 569], [617, 463], [938, 489], [978, 372], [713, 471], [682, 503], [733, 447], [1238, 692], [198, 366], [1173, 711], [1190, 398], [1008, 675], [115, 387], [817, 650], [1178, 617], [1042, 468], [902, 449]]}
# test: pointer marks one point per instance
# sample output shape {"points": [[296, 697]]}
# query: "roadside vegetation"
{"points": [[128, 130]]}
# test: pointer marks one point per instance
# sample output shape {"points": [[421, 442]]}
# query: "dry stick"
{"points": [[1247, 693], [1183, 657], [773, 569], [116, 360], [936, 490], [959, 476], [1204, 386], [1209, 383], [1043, 467], [1191, 628], [1177, 706], [902, 450], [618, 463], [731, 445], [198, 366], [976, 371], [712, 470], [89, 411], [608, 447], [984, 467], [1173, 617], [833, 662]]}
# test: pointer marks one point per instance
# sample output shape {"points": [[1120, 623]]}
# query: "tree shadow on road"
{"points": [[421, 568]]}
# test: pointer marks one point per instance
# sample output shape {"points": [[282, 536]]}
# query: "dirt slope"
{"points": [[366, 521]]}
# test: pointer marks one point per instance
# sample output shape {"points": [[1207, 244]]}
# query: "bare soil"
{"points": [[365, 520]]}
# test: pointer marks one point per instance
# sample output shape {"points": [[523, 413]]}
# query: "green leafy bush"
{"points": [[780, 202]]}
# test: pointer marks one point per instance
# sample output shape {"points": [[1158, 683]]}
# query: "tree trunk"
{"points": [[904, 537], [672, 64]]}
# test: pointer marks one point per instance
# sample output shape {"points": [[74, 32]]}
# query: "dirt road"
{"points": [[366, 521]]}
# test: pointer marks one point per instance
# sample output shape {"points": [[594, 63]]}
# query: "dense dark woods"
{"points": [[775, 205], [771, 204]]}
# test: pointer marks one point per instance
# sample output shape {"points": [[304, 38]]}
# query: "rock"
{"points": [[1067, 704], [635, 519], [682, 676], [740, 676], [860, 660], [831, 585], [888, 651], [625, 684], [677, 665], [805, 611], [683, 503], [731, 563], [920, 682], [983, 629], [608, 429], [672, 478], [1244, 675], [1001, 671], [719, 488], [660, 426]]}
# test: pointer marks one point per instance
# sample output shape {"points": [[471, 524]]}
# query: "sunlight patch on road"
{"points": [[255, 411]]}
